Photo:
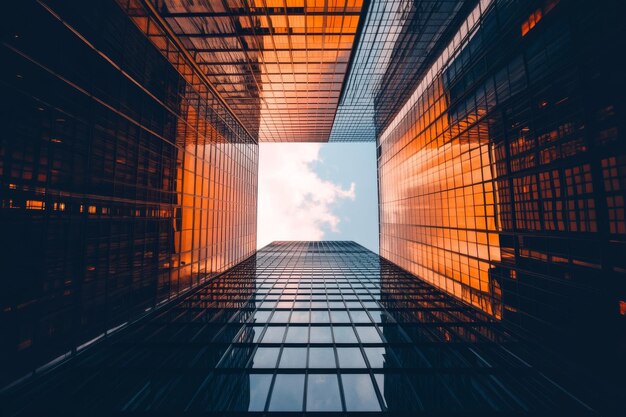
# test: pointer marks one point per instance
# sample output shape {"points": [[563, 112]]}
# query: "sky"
{"points": [[312, 191]]}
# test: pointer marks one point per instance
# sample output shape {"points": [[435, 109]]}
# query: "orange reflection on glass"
{"points": [[214, 218], [438, 202], [279, 65], [303, 61]]}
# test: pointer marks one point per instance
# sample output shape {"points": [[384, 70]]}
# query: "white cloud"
{"points": [[294, 202]]}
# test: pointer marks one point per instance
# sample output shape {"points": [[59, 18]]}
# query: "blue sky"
{"points": [[345, 163], [318, 191]]}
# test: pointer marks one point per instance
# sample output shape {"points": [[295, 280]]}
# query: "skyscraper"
{"points": [[128, 194], [124, 183], [307, 326]]}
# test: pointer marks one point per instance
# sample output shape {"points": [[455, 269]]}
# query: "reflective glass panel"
{"points": [[300, 317], [359, 393], [297, 334], [322, 357], [288, 392], [323, 393], [350, 358], [376, 356], [368, 334], [293, 358], [265, 357], [273, 334], [259, 387], [321, 335], [344, 334]]}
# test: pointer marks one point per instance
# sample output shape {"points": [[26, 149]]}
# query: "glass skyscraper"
{"points": [[307, 326], [129, 275], [124, 180]]}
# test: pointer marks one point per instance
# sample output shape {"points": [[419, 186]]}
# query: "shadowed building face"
{"points": [[310, 327]]}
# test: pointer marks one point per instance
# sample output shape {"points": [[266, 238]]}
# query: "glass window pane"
{"points": [[261, 316], [321, 335], [259, 387], [273, 335], [320, 317], [257, 331], [377, 316], [359, 393], [350, 358], [323, 393], [297, 335], [368, 335], [319, 304], [322, 358], [344, 335], [299, 317], [280, 317], [339, 317], [287, 394], [380, 381], [265, 358], [359, 317], [377, 356], [293, 358]]}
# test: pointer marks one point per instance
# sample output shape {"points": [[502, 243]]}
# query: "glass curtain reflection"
{"points": [[123, 183], [499, 176], [279, 65], [373, 339]]}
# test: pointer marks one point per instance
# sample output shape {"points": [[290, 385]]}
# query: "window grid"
{"points": [[376, 339]]}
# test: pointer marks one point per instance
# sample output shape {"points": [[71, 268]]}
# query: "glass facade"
{"points": [[437, 186], [279, 65], [306, 327], [122, 184], [395, 46], [502, 176], [128, 198]]}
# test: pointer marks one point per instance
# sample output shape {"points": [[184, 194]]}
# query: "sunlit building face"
{"points": [[279, 65], [439, 216]]}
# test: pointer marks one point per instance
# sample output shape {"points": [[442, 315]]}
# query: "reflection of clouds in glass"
{"points": [[322, 357], [288, 393], [350, 358], [359, 393], [323, 393], [293, 357], [259, 387], [294, 202]]}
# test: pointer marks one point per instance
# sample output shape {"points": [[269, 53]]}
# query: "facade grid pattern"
{"points": [[501, 177], [128, 200], [279, 65], [308, 327], [119, 189]]}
